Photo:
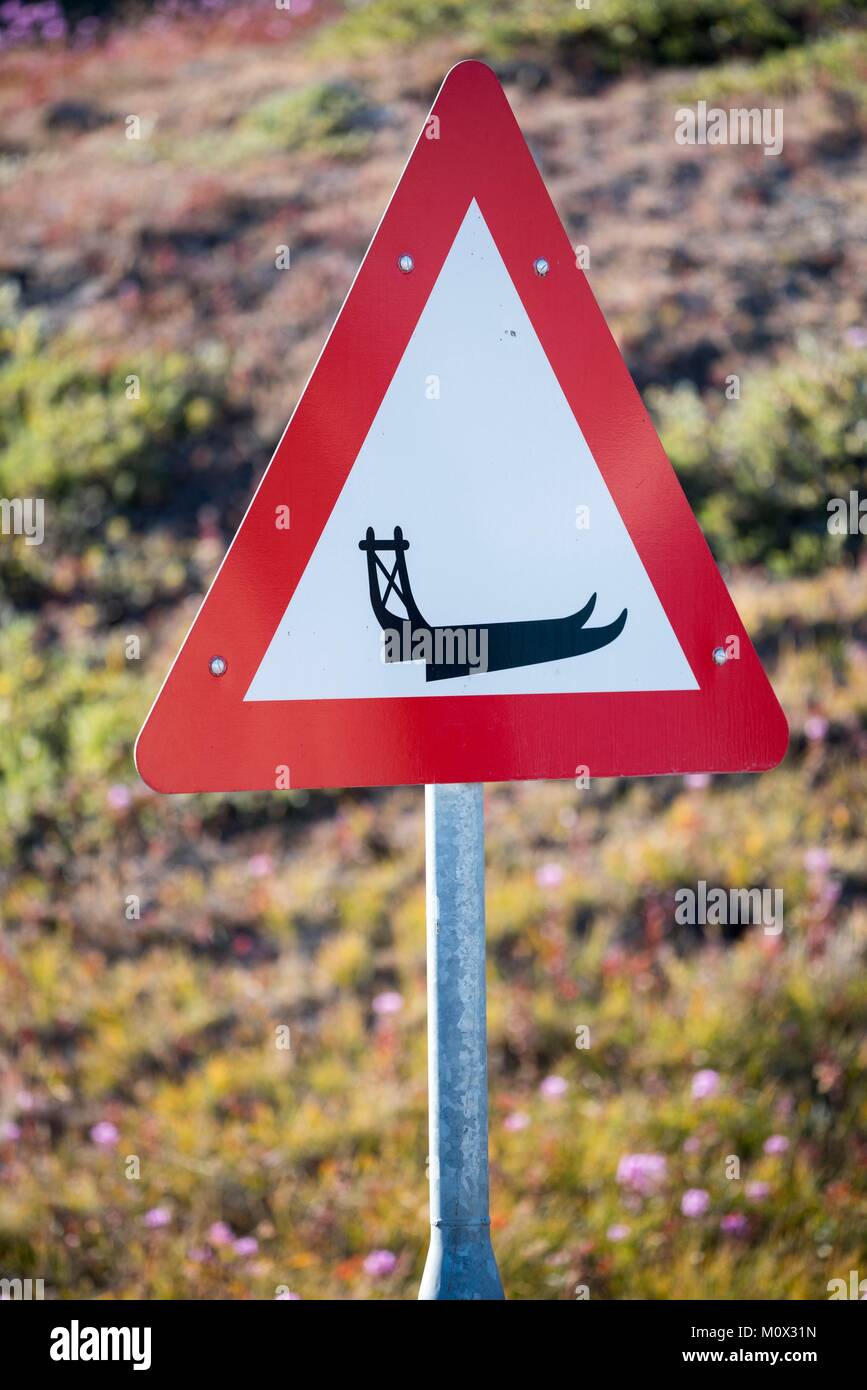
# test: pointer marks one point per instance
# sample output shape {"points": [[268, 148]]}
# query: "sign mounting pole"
{"points": [[460, 1262]]}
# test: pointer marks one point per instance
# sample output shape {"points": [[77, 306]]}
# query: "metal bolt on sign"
{"points": [[460, 1263]]}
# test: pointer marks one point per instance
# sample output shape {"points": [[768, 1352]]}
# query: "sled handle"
{"points": [[371, 543]]}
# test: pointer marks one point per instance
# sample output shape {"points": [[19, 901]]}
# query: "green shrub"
{"points": [[760, 471], [68, 726], [838, 62], [69, 419], [607, 36], [328, 118], [94, 438]]}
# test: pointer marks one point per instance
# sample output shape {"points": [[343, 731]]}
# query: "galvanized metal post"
{"points": [[460, 1262]]}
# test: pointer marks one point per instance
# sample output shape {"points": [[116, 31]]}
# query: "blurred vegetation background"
{"points": [[152, 948]]}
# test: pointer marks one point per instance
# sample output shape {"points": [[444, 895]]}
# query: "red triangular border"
{"points": [[201, 736]]}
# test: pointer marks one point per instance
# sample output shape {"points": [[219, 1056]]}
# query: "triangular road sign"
{"points": [[469, 559]]}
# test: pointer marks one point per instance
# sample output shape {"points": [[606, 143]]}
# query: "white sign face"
{"points": [[476, 456]]}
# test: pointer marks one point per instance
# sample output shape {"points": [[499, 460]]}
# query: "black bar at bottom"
{"points": [[249, 1339]]}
